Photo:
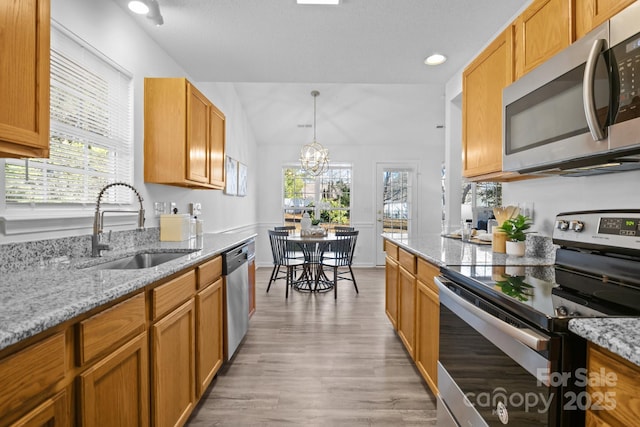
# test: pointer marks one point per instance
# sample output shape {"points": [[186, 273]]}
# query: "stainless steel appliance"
{"points": [[506, 356], [236, 275], [579, 112]]}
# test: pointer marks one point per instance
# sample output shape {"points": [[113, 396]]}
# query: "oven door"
{"points": [[493, 369]]}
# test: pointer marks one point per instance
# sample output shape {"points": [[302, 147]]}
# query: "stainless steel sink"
{"points": [[139, 261]]}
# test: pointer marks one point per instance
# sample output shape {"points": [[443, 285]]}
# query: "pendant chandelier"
{"points": [[314, 158]]}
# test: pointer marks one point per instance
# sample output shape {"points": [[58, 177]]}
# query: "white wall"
{"points": [[113, 32], [425, 146]]}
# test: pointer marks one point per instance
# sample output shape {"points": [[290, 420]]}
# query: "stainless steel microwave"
{"points": [[579, 112]]}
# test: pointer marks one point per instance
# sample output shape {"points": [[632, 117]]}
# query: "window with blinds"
{"points": [[91, 132]]}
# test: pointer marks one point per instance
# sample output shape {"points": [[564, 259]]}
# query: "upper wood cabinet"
{"points": [[482, 84], [541, 31], [591, 13], [24, 86], [184, 135]]}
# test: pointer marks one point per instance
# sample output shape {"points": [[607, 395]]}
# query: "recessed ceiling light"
{"points": [[318, 1], [435, 59], [139, 7]]}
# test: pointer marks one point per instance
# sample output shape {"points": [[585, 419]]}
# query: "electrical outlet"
{"points": [[158, 208], [173, 207], [195, 209]]}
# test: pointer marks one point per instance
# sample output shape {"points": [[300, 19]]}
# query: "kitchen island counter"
{"points": [[619, 335]]}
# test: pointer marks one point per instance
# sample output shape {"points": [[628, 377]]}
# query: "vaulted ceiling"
{"points": [[277, 46]]}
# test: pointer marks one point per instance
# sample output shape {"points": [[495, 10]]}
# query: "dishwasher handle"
{"points": [[233, 259]]}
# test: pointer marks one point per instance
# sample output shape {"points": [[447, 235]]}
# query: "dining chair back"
{"points": [[341, 256], [283, 256], [340, 228]]}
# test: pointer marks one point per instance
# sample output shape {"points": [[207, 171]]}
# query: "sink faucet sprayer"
{"points": [[98, 221]]}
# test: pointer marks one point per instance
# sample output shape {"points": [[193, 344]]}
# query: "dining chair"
{"points": [[291, 229], [283, 256], [339, 228], [341, 257]]}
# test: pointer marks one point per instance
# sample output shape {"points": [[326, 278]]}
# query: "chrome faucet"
{"points": [[98, 220]]}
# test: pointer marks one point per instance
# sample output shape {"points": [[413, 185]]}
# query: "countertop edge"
{"points": [[619, 335]]}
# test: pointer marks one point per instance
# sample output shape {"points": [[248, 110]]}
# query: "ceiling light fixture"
{"points": [[138, 6], [435, 59], [314, 158], [333, 2], [154, 14]]}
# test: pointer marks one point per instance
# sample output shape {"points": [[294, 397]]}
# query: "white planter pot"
{"points": [[515, 248]]}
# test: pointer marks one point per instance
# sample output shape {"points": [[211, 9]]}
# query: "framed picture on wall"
{"points": [[242, 179], [231, 178]]}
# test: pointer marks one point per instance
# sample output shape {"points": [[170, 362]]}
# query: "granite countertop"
{"points": [[44, 295], [619, 335], [443, 251]]}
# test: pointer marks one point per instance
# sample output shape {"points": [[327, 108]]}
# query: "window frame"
{"points": [[317, 208], [23, 219]]}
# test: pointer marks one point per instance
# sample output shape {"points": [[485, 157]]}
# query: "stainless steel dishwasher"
{"points": [[236, 274]]}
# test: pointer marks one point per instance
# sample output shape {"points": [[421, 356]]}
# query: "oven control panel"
{"points": [[602, 228]]}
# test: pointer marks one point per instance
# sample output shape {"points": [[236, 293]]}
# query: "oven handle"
{"points": [[526, 336]]}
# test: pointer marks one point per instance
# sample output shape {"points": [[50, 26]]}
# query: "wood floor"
{"points": [[314, 361]]}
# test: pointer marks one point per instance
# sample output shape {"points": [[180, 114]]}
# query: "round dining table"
{"points": [[312, 278]]}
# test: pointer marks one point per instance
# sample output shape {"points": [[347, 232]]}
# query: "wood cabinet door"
{"points": [[197, 136], [391, 291], [591, 13], [407, 309], [173, 366], [541, 31], [24, 86], [209, 338], [427, 334], [217, 132], [53, 412], [115, 391], [482, 84]]}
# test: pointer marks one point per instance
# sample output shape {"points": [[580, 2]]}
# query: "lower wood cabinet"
{"points": [[413, 307], [209, 334], [173, 366], [53, 412], [391, 290], [115, 391], [427, 324], [407, 309], [613, 389]]}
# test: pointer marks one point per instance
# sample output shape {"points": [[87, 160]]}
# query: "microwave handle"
{"points": [[588, 99]]}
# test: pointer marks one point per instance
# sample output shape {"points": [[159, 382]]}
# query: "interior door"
{"points": [[395, 204]]}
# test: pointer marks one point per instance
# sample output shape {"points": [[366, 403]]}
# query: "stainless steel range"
{"points": [[506, 355]]}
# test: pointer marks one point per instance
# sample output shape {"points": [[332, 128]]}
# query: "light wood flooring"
{"points": [[314, 361]]}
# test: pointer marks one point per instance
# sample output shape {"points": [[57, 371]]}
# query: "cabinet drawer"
{"points": [[30, 372], [209, 272], [407, 260], [426, 273], [391, 250], [101, 332], [173, 293]]}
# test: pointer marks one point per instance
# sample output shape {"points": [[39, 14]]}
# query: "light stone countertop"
{"points": [[44, 295], [443, 251], [619, 335]]}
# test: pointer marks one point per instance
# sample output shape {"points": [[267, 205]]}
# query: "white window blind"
{"points": [[91, 131]]}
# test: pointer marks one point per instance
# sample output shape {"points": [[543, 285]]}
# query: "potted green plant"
{"points": [[515, 229]]}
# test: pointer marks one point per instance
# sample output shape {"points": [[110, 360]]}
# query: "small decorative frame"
{"points": [[242, 179], [231, 178]]}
